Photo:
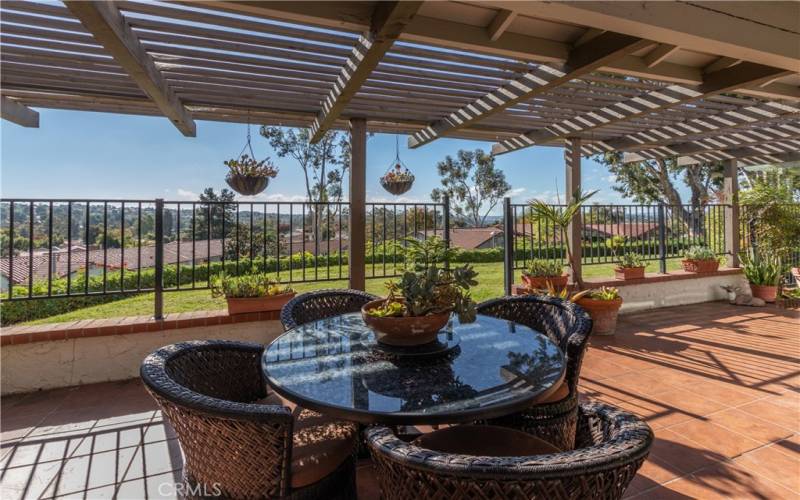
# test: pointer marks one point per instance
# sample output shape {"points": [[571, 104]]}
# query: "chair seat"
{"points": [[560, 394], [320, 444], [484, 441]]}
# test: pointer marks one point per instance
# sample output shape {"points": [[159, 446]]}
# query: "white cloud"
{"points": [[610, 178], [516, 192], [185, 194], [272, 197]]}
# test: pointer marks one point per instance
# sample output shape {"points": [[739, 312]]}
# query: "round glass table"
{"points": [[484, 369]]}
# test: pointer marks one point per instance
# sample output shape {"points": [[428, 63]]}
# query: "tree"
{"points": [[218, 206], [472, 183], [769, 212], [324, 165], [654, 181]]}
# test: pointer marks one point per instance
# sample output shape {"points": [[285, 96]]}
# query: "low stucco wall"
{"points": [[645, 296], [64, 363]]}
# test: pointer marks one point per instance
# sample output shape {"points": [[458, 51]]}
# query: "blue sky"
{"points": [[100, 155]]}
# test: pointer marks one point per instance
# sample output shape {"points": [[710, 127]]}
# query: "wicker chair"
{"points": [[611, 446], [568, 326], [238, 440], [314, 306]]}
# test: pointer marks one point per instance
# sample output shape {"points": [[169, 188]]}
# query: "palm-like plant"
{"points": [[560, 218]]}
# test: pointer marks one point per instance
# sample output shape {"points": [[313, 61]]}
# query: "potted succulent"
{"points": [[603, 306], [247, 176], [630, 266], [420, 304], [251, 293], [700, 259], [540, 272], [763, 273]]}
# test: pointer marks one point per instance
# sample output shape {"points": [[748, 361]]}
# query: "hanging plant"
{"points": [[249, 177], [398, 178], [246, 175]]}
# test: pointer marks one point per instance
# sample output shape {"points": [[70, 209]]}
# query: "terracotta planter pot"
{"points": [[604, 314], [404, 331], [767, 292], [540, 282], [257, 304], [700, 266], [629, 273]]}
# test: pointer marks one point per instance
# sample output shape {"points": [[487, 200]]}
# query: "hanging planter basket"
{"points": [[246, 175], [246, 185], [398, 179]]}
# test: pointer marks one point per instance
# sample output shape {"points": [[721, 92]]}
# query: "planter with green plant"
{"points": [[763, 273], [540, 272], [419, 305], [251, 293], [248, 176], [603, 306], [559, 218], [630, 265], [700, 259]]}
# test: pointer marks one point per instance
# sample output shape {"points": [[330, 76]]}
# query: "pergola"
{"points": [[700, 81]]}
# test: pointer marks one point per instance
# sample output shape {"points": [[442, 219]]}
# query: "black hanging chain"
{"points": [[248, 145]]}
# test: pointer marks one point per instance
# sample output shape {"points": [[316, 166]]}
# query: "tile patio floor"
{"points": [[720, 385]]}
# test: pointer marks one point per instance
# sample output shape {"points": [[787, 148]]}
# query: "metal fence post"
{"points": [[446, 209], [662, 240], [508, 246], [158, 287]]}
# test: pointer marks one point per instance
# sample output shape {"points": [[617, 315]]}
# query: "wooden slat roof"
{"points": [[464, 69]]}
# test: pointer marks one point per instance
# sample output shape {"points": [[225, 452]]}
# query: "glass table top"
{"points": [[493, 367]]}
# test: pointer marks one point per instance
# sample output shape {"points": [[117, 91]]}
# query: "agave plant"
{"points": [[560, 218], [762, 270]]}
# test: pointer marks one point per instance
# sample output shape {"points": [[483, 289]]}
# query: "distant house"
{"points": [[634, 230]]}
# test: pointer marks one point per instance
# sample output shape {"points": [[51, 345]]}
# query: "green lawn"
{"points": [[490, 276]]}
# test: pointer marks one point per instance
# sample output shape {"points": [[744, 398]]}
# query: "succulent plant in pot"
{"points": [[420, 304], [700, 259], [603, 306], [763, 272], [540, 272], [251, 293], [630, 265]]}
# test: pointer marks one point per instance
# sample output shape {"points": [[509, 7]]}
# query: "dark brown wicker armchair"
{"points": [[238, 440], [611, 446], [314, 306], [568, 326]]}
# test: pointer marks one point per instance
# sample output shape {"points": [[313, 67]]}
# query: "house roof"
{"points": [[467, 237]]}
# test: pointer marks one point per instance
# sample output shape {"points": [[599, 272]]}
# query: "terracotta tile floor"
{"points": [[720, 386]]}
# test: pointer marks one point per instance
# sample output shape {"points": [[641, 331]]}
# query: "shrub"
{"points": [[699, 252], [544, 268], [249, 285]]}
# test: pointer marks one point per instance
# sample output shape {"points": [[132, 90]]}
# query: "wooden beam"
{"points": [[105, 22], [572, 177], [18, 113], [388, 22], [730, 190], [721, 63], [775, 90], [705, 27], [358, 200], [658, 54], [582, 60], [500, 23], [355, 17], [709, 146], [730, 120], [742, 75], [748, 156]]}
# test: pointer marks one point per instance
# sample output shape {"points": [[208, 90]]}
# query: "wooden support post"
{"points": [[358, 201], [572, 160], [731, 190]]}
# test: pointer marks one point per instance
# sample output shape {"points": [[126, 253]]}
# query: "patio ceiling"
{"points": [[682, 81]]}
